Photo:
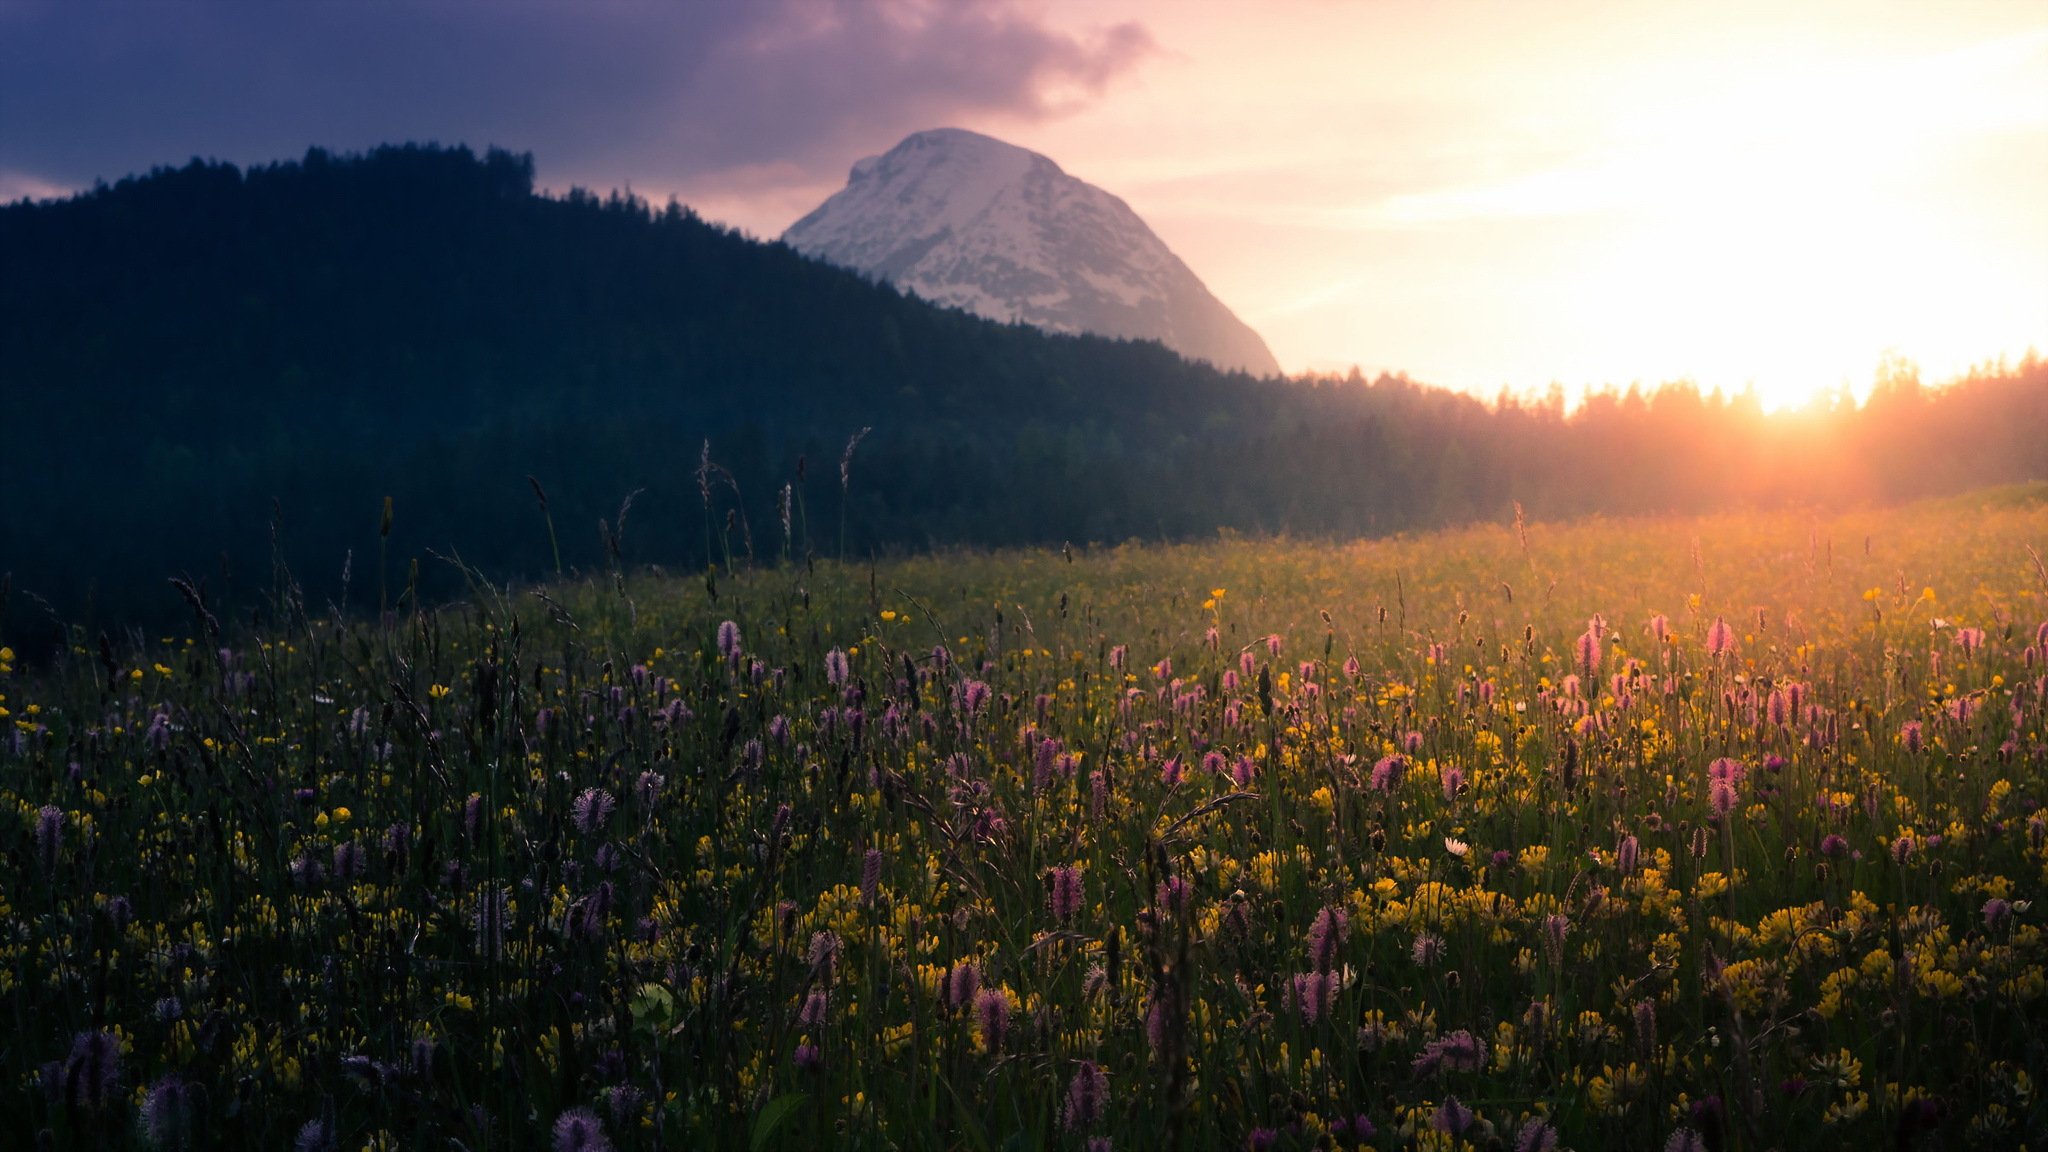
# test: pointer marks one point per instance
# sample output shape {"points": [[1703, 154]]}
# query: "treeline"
{"points": [[209, 372]]}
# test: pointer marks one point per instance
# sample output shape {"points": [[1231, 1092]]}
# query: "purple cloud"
{"points": [[669, 94]]}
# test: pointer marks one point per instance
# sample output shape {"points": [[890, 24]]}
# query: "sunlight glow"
{"points": [[1746, 196]]}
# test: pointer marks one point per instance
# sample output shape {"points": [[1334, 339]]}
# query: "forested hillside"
{"points": [[207, 369]]}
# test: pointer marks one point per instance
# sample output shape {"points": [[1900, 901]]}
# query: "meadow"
{"points": [[1716, 833]]}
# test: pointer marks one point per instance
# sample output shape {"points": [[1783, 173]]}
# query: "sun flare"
{"points": [[1797, 226]]}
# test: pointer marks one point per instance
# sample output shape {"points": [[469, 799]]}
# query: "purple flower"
{"points": [[1451, 1117], [1160, 1017], [1453, 781], [1068, 893], [49, 835], [1172, 895], [1556, 927], [579, 1130], [961, 986], [1911, 736], [1458, 1051], [992, 1015], [825, 946], [809, 1058], [1086, 1095], [1645, 1013], [1386, 774], [93, 1070], [836, 669], [1720, 637], [1625, 856], [1721, 798], [1832, 845], [1536, 1135], [1311, 994], [1589, 654], [473, 816], [592, 807], [1356, 1130], [1685, 1140], [1996, 912], [1428, 949], [728, 647], [315, 1136], [1327, 937], [816, 1006], [623, 1102], [166, 1118], [975, 695], [870, 875]]}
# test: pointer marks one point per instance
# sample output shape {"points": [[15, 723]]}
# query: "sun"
{"points": [[1789, 231]]}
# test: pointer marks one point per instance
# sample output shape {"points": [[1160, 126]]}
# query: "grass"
{"points": [[1257, 844]]}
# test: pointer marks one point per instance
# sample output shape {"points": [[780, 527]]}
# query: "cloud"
{"points": [[664, 94], [22, 186]]}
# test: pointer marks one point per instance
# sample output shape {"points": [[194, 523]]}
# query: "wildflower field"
{"points": [[1694, 834]]}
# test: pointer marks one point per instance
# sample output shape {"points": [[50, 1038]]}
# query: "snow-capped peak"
{"points": [[966, 220]]}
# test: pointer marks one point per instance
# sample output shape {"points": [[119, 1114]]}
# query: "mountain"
{"points": [[967, 221]]}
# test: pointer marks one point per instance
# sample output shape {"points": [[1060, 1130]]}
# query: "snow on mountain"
{"points": [[965, 220]]}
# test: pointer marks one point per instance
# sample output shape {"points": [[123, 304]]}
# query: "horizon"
{"points": [[1783, 203]]}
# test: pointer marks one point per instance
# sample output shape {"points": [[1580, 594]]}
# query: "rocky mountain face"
{"points": [[965, 220]]}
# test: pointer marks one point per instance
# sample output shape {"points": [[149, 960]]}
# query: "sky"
{"points": [[1480, 195]]}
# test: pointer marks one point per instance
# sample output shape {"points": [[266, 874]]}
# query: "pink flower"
{"points": [[1327, 937], [1589, 654], [961, 986], [1453, 781], [1625, 856], [1722, 798], [992, 1015], [1068, 893], [1086, 1095], [1720, 637], [1311, 994]]}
